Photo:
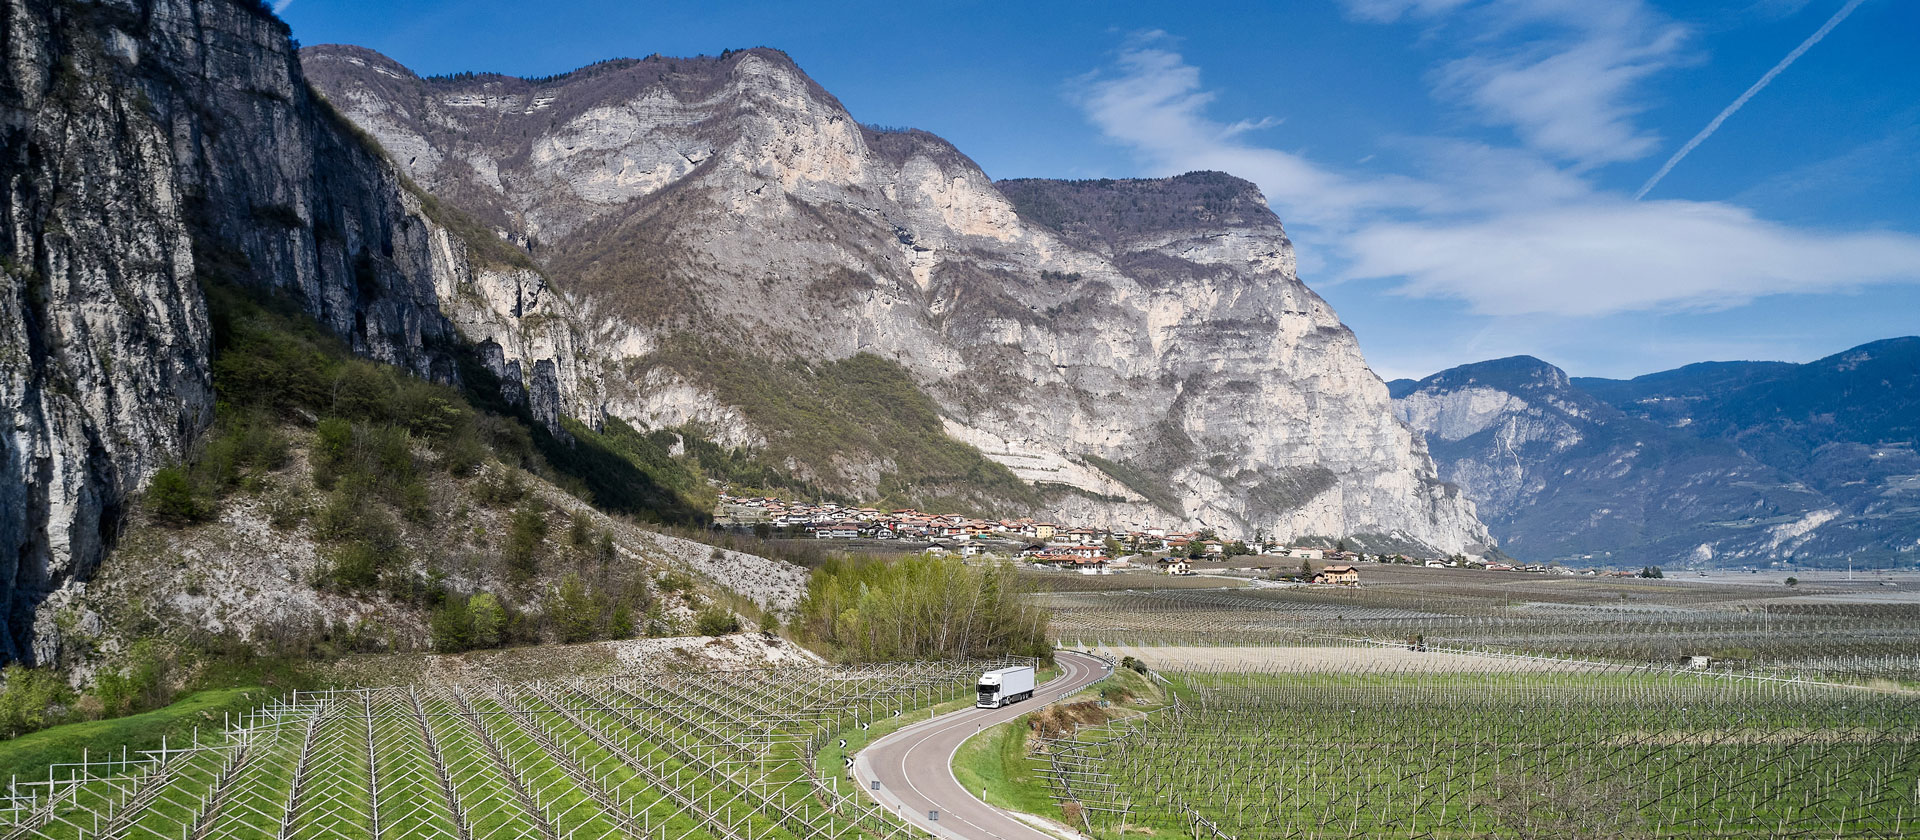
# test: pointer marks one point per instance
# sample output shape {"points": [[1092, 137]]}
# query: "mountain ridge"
{"points": [[1824, 449], [895, 243], [156, 147]]}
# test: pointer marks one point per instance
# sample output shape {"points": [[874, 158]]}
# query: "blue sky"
{"points": [[1457, 175]]}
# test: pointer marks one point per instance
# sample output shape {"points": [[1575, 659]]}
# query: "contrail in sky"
{"points": [[1764, 80]]}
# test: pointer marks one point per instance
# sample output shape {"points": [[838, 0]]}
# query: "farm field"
{"points": [[1830, 629], [1067, 581], [1384, 753], [721, 754], [1351, 657]]}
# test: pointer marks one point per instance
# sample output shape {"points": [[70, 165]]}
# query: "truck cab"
{"points": [[1004, 686]]}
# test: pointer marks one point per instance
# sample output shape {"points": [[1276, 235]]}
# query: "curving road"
{"points": [[915, 765]]}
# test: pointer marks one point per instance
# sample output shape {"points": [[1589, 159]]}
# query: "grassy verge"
{"points": [[995, 766], [29, 755], [998, 767]]}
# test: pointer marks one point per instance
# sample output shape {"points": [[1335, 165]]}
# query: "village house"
{"points": [[837, 531], [1079, 536], [1342, 575]]}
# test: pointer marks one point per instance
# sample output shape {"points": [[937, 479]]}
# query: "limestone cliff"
{"points": [[1146, 342], [146, 145]]}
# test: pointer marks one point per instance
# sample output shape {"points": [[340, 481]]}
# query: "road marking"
{"points": [[1071, 671]]}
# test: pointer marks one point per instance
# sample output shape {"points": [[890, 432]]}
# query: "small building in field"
{"points": [[1177, 566], [1342, 575]]}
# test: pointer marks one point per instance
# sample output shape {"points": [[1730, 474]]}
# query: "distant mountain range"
{"points": [[1718, 463]]}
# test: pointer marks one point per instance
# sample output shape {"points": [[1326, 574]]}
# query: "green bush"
{"points": [[452, 626], [574, 610], [138, 684], [524, 536], [332, 448], [714, 621], [34, 699], [243, 446], [356, 566], [462, 455], [500, 489], [173, 500], [620, 622], [489, 620]]}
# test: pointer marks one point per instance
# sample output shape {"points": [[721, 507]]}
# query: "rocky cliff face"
{"points": [[150, 145], [1724, 463], [1145, 343]]}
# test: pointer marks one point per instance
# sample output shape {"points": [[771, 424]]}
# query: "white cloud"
{"points": [[1606, 255], [1559, 73], [1387, 11], [1569, 102], [1152, 102], [1504, 230]]}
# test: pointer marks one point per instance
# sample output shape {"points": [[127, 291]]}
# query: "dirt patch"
{"points": [[741, 650], [1061, 719]]}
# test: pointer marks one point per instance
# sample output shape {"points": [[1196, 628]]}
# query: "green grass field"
{"points": [[28, 756], [994, 766]]}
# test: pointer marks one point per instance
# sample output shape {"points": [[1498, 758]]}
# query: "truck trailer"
{"points": [[1004, 686]]}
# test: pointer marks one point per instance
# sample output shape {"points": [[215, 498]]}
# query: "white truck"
{"points": [[1004, 686]]}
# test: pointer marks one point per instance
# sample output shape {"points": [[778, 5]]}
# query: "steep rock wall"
{"points": [[149, 145]]}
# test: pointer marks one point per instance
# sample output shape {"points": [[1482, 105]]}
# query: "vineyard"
{"points": [[1346, 755], [726, 755], [1846, 641]]}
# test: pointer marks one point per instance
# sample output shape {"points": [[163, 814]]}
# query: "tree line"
{"points": [[920, 607]]}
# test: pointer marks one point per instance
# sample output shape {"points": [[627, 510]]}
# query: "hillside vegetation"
{"points": [[821, 416], [339, 505]]}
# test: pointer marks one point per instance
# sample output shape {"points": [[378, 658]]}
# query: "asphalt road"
{"points": [[915, 765]]}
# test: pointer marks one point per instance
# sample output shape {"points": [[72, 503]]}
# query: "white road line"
{"points": [[1072, 671]]}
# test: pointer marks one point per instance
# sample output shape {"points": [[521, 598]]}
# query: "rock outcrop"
{"points": [[1145, 343], [150, 146]]}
